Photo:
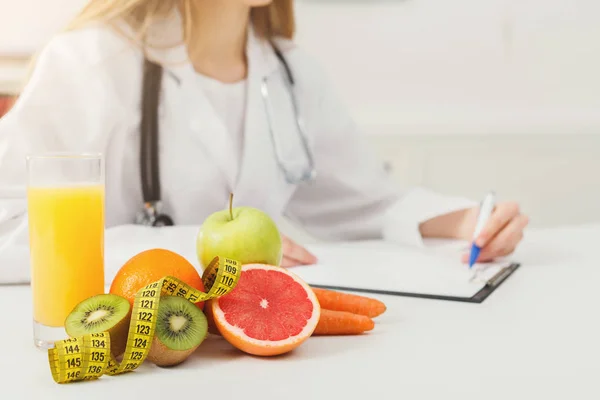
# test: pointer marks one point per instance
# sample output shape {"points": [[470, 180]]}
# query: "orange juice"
{"points": [[66, 228]]}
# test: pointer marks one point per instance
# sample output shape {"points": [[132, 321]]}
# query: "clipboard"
{"points": [[478, 298], [388, 269]]}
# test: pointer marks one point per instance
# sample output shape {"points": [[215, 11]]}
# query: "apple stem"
{"points": [[231, 205]]}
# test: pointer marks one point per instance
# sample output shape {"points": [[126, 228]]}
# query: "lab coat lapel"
{"points": [[260, 182]]}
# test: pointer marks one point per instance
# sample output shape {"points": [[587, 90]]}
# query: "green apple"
{"points": [[245, 234]]}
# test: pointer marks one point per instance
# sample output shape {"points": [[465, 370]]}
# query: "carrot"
{"points": [[342, 323], [338, 301]]}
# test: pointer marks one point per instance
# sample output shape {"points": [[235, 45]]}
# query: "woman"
{"points": [[84, 94]]}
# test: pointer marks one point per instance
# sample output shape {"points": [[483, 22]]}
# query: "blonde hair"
{"points": [[274, 19]]}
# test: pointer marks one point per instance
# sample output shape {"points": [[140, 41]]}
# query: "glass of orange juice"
{"points": [[65, 203]]}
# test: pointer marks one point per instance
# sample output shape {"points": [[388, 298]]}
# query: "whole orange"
{"points": [[150, 266]]}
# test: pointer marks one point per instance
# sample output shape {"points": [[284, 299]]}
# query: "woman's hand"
{"points": [[294, 254], [499, 237], [502, 233]]}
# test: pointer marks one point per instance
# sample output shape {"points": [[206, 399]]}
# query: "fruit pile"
{"points": [[270, 310]]}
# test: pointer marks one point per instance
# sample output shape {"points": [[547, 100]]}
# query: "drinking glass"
{"points": [[65, 201]]}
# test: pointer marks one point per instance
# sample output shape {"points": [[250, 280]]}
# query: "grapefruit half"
{"points": [[270, 311]]}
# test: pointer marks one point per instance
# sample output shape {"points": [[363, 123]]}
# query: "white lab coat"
{"points": [[84, 96]]}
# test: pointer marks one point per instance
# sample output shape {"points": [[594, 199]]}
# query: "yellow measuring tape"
{"points": [[89, 357]]}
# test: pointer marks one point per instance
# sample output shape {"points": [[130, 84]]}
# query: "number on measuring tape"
{"points": [[230, 269], [74, 363], [142, 329], [89, 357], [145, 316], [140, 343], [70, 349], [146, 303], [94, 369], [97, 356]]}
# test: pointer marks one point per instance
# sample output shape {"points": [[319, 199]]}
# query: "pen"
{"points": [[487, 206]]}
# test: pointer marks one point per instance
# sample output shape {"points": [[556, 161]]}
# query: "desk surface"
{"points": [[535, 337]]}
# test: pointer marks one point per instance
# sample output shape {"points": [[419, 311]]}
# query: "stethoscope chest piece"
{"points": [[151, 216]]}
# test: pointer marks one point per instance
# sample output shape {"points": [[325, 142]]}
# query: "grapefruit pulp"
{"points": [[270, 311]]}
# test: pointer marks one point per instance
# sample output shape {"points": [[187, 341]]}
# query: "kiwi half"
{"points": [[101, 313], [180, 328]]}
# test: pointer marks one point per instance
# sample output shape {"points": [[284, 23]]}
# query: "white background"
{"points": [[461, 66], [458, 95]]}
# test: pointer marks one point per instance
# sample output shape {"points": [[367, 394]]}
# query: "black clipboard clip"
{"points": [[494, 282]]}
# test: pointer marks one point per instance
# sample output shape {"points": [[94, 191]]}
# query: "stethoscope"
{"points": [[151, 213]]}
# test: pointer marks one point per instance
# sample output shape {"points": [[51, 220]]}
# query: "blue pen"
{"points": [[487, 206]]}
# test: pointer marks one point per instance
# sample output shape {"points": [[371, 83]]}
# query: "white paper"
{"points": [[389, 267]]}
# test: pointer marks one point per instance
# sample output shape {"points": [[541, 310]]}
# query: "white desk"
{"points": [[536, 337]]}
